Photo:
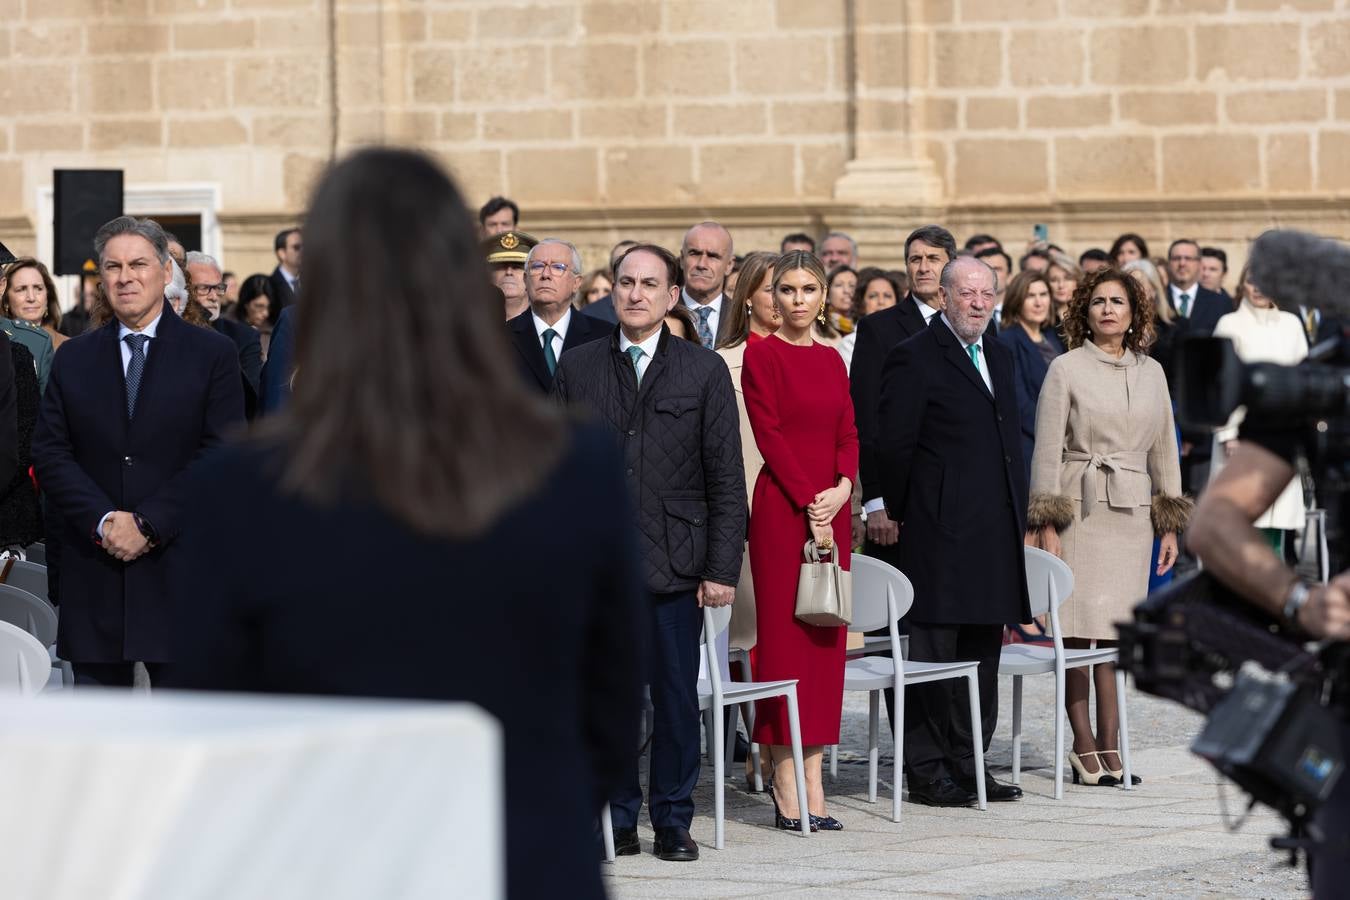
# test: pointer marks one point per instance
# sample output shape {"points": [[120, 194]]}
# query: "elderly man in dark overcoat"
{"points": [[950, 455]]}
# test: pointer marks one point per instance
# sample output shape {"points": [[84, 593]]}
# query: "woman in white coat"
{"points": [[1263, 333]]}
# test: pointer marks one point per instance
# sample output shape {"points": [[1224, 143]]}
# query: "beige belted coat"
{"points": [[1105, 473]]}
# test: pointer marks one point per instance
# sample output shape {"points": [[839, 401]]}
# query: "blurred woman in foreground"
{"points": [[416, 468]]}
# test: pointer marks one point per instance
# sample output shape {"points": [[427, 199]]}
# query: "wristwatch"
{"points": [[145, 528], [1299, 592]]}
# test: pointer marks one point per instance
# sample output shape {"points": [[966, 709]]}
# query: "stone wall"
{"points": [[609, 118]]}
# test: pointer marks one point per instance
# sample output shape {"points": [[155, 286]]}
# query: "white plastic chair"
{"points": [[871, 644], [23, 661], [881, 596], [36, 553], [1049, 584], [31, 577], [35, 616], [715, 696]]}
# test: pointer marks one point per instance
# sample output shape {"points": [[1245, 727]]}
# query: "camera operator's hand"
{"points": [[1326, 614]]}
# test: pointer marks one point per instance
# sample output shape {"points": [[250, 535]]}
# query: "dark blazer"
{"points": [[530, 350], [877, 334], [1206, 309], [572, 622], [249, 346], [20, 517], [953, 476], [276, 372], [1029, 369], [9, 413], [91, 459], [281, 289], [681, 440], [602, 309]]}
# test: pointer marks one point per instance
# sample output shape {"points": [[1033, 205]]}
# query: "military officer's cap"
{"points": [[508, 247]]}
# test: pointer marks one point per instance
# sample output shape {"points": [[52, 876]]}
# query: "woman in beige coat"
{"points": [[754, 316], [1104, 480]]}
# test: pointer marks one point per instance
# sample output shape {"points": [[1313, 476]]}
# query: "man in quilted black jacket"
{"points": [[671, 405]]}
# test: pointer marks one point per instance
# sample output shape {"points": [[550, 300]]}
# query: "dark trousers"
{"points": [[937, 714], [112, 674], [672, 671]]}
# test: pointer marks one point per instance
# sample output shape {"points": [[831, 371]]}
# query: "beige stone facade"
{"points": [[614, 118]]}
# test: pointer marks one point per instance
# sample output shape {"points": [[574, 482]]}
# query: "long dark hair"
{"points": [[429, 415], [754, 266], [1142, 330], [53, 315], [254, 286]]}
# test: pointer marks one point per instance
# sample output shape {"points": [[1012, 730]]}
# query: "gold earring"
{"points": [[820, 316]]}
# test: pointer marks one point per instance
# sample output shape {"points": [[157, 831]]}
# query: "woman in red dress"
{"points": [[797, 398]]}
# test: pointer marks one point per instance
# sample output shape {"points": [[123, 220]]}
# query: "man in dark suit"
{"points": [[276, 372], [927, 250], [9, 414], [950, 452], [286, 276], [672, 408], [1200, 310], [129, 407], [206, 285], [603, 309], [706, 258], [550, 327]]}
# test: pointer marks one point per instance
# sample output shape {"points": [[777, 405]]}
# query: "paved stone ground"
{"points": [[1166, 837]]}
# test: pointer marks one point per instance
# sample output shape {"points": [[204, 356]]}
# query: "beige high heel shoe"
{"points": [[1099, 778]]}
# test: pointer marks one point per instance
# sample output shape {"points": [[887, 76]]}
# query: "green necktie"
{"points": [[974, 351], [635, 353], [550, 359], [1185, 305]]}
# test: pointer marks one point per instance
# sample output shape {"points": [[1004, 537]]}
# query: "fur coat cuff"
{"points": [[1049, 509], [1171, 513]]}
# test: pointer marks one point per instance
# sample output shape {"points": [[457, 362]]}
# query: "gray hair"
{"points": [[196, 258], [576, 257], [146, 228], [949, 271], [1145, 267], [176, 290], [851, 242]]}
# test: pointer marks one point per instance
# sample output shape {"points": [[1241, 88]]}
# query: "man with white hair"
{"points": [[206, 285], [551, 326], [950, 456], [838, 249]]}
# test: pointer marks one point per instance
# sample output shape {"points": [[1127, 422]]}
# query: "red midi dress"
{"points": [[798, 403]]}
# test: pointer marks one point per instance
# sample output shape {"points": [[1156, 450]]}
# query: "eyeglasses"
{"points": [[1177, 257], [559, 269], [971, 295], [201, 290]]}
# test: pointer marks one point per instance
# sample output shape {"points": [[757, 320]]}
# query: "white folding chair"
{"points": [[871, 644], [607, 833], [29, 576], [23, 661], [38, 618], [881, 596], [36, 553], [715, 696], [1049, 584]]}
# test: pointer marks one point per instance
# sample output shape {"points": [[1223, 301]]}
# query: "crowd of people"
{"points": [[652, 437]]}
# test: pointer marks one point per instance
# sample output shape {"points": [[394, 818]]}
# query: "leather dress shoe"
{"points": [[994, 791], [942, 792], [675, 845], [626, 842]]}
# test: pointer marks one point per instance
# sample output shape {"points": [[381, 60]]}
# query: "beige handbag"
{"points": [[824, 590]]}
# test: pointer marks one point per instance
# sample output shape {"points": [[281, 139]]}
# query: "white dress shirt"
{"points": [[715, 304], [965, 347], [1176, 298], [926, 311], [648, 348], [559, 330]]}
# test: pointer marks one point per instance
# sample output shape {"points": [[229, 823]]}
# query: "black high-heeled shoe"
{"points": [[1117, 774], [825, 823], [781, 821]]}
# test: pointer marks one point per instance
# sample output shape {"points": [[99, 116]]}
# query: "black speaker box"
{"points": [[85, 200]]}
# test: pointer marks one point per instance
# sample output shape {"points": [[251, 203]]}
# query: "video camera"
{"points": [[1275, 706]]}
